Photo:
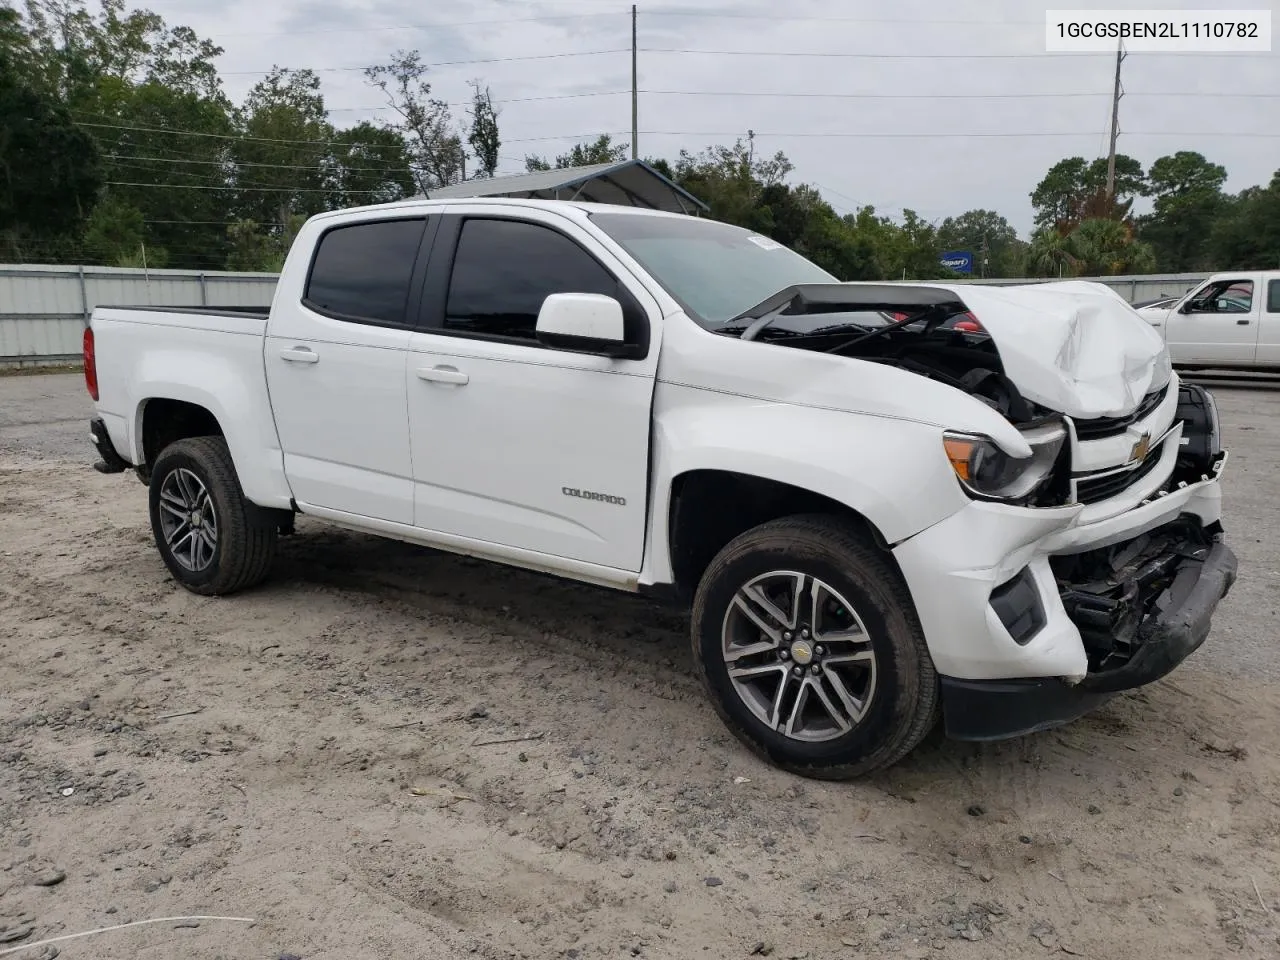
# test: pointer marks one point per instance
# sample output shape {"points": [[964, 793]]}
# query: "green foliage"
{"points": [[50, 170], [1006, 254], [1188, 200], [1074, 189], [600, 150], [434, 149], [1247, 234], [1095, 247], [484, 138], [118, 141]]}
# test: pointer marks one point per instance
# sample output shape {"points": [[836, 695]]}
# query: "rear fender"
{"points": [[234, 392]]}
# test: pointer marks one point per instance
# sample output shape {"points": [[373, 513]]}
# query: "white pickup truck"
{"points": [[878, 515], [1231, 321]]}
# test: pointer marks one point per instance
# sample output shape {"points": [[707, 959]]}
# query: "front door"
{"points": [[1216, 324], [515, 443], [335, 362]]}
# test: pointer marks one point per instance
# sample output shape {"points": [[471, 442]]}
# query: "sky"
{"points": [[936, 107]]}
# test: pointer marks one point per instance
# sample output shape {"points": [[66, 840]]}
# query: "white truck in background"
{"points": [[878, 514], [1230, 321]]}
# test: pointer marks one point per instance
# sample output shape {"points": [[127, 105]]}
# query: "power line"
{"points": [[202, 186], [931, 96], [928, 56], [315, 143], [441, 63], [932, 135], [498, 103], [236, 164], [429, 26], [842, 96]]}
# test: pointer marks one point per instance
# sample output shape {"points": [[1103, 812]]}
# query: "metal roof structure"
{"points": [[628, 182]]}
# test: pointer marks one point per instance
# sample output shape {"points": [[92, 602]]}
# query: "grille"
{"points": [[1100, 428], [1102, 488]]}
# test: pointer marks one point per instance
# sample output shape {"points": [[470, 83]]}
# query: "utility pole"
{"points": [[1115, 125], [635, 94], [751, 148]]}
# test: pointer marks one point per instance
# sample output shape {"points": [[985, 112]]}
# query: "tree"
{"points": [[151, 97], [50, 170], [1095, 247], [1188, 199], [1074, 189], [368, 164], [976, 228], [1246, 235], [77, 51], [600, 150], [168, 157], [280, 157], [484, 137], [115, 232], [435, 151]]}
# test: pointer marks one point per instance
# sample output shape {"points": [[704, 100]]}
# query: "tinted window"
{"points": [[1273, 296], [504, 269], [362, 271]]}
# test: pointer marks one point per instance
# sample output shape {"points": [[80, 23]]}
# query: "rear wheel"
{"points": [[210, 537], [808, 642]]}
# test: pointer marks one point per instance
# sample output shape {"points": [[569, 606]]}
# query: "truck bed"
{"points": [[255, 313]]}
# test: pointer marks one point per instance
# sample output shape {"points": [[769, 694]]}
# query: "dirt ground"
{"points": [[335, 757]]}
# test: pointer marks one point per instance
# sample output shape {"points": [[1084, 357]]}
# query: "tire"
{"points": [[243, 544], [887, 690]]}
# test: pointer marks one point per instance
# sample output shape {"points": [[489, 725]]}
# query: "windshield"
{"points": [[713, 270]]}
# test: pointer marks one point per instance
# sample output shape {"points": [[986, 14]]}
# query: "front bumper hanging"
{"points": [[1142, 608]]}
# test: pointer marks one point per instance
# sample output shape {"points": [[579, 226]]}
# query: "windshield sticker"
{"points": [[764, 243]]}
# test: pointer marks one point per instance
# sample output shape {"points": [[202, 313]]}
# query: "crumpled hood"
{"points": [[1073, 346]]}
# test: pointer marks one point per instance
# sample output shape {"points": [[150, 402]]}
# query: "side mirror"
{"points": [[586, 322]]}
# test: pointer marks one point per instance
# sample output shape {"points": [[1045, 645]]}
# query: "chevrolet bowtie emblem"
{"points": [[1141, 449]]}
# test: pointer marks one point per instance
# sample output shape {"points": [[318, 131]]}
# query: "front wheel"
{"points": [[211, 538], [808, 643]]}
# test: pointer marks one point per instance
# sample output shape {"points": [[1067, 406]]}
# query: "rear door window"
{"points": [[361, 271]]}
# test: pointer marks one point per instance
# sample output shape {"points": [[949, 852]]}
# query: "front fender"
{"points": [[893, 472], [232, 387]]}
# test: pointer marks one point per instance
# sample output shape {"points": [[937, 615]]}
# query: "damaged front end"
{"points": [[1144, 606], [923, 330]]}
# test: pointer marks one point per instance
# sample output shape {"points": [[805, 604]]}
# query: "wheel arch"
{"points": [[213, 396], [708, 508], [888, 477]]}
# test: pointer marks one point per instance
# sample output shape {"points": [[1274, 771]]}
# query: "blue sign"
{"points": [[961, 261]]}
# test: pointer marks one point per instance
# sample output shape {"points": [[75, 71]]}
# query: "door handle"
{"points": [[299, 355], [1242, 323], [443, 374]]}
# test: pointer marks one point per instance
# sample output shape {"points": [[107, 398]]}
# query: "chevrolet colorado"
{"points": [[879, 515]]}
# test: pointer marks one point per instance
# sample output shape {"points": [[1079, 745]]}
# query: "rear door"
{"points": [[335, 358], [1218, 323], [516, 443], [1269, 324]]}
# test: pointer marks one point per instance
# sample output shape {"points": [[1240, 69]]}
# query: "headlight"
{"points": [[989, 473], [1163, 372]]}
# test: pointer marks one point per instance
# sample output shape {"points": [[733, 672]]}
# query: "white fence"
{"points": [[1133, 288], [43, 309]]}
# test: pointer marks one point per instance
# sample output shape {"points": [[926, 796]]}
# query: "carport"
{"points": [[629, 182]]}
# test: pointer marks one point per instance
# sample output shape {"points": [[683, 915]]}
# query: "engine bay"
{"points": [[934, 336]]}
